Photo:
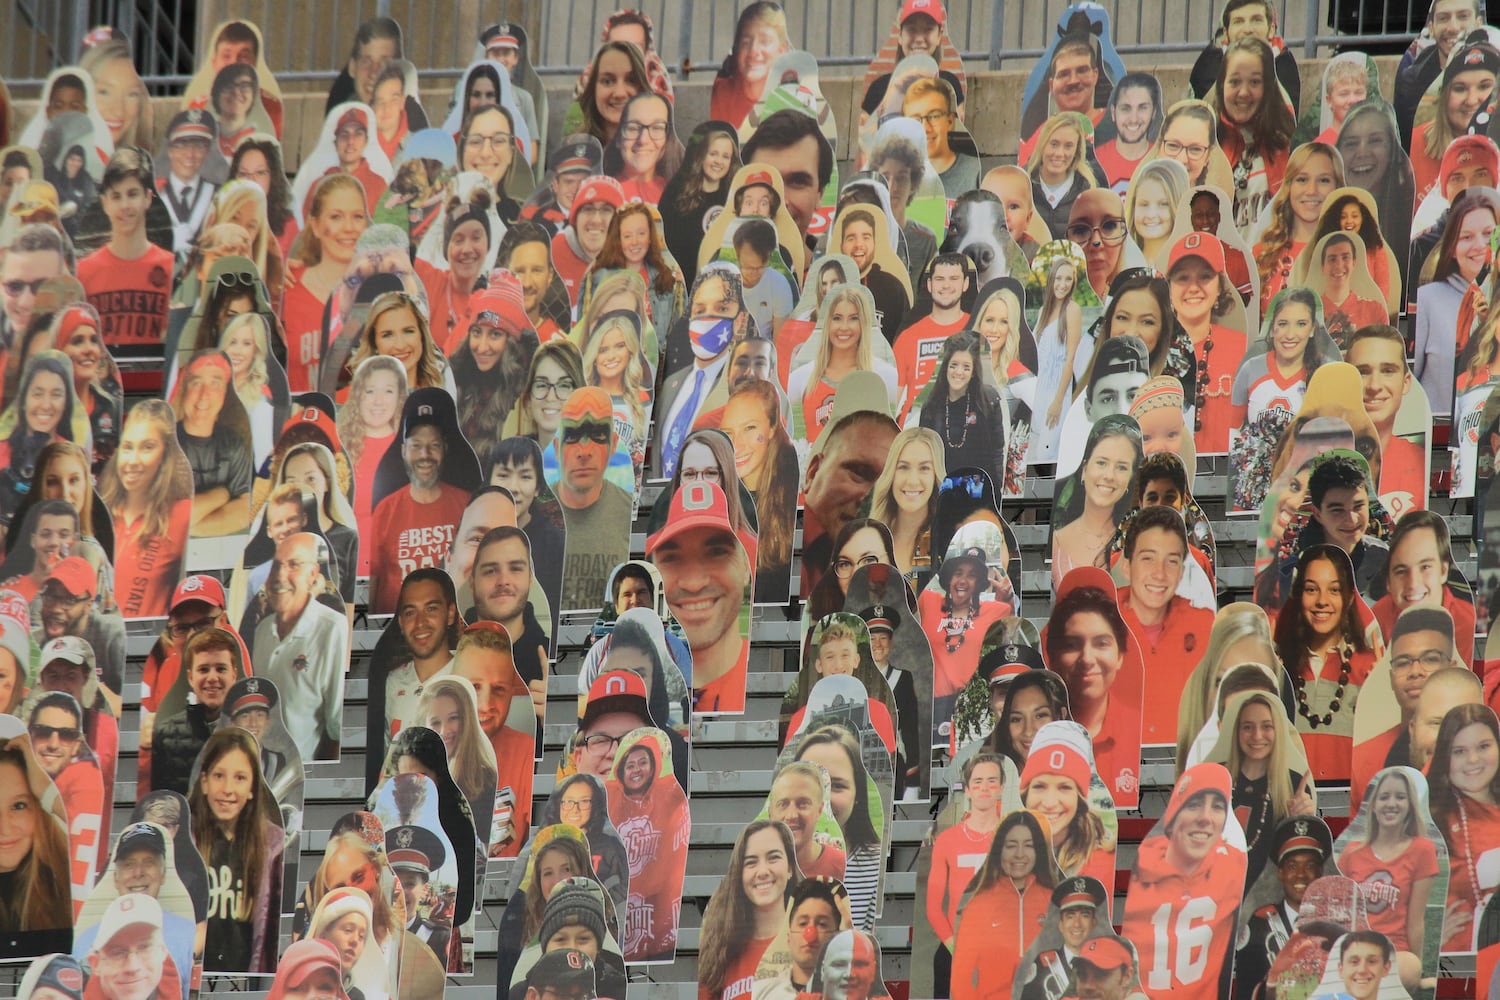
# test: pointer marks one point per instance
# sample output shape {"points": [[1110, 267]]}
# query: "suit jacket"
{"points": [[678, 382]]}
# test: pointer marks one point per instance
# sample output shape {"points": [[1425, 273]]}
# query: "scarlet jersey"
{"points": [[1473, 836], [1181, 924], [302, 325], [1173, 650], [917, 349], [1117, 169], [1386, 885], [82, 791], [1403, 483], [956, 857], [1259, 388], [727, 693]]}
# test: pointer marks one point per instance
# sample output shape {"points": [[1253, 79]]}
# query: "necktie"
{"points": [[680, 426]]}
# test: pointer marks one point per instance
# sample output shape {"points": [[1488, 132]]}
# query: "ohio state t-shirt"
{"points": [[408, 536], [131, 296]]}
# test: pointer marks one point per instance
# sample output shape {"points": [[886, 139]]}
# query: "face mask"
{"points": [[710, 335]]}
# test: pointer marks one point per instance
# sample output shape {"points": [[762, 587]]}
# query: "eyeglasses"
{"points": [[631, 131], [597, 208], [932, 117], [596, 433], [184, 629], [1433, 659], [845, 568], [600, 744], [575, 805], [263, 174], [15, 288], [243, 87], [41, 733], [562, 388], [499, 140], [64, 598], [708, 475], [1110, 231], [1174, 148]]}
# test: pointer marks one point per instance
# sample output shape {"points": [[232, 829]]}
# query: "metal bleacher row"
{"points": [[733, 758]]}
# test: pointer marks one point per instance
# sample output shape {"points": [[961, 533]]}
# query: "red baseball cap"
{"points": [[1205, 246], [759, 174], [1106, 952], [76, 575], [1084, 576], [932, 8], [596, 188], [616, 691], [694, 505], [198, 588]]}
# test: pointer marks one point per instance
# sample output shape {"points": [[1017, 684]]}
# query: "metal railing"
{"points": [[692, 36]]}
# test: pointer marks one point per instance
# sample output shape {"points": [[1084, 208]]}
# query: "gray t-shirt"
{"points": [[598, 541]]}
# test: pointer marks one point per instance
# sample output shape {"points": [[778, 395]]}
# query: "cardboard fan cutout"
{"points": [[1185, 890], [596, 511], [1059, 783], [1059, 83], [839, 645], [1270, 388], [984, 791], [652, 647], [148, 487], [142, 868], [837, 734], [1394, 833], [900, 652], [1420, 572], [244, 897], [708, 579], [575, 910], [582, 797], [47, 921], [1172, 629], [1092, 502], [430, 872], [1337, 268], [69, 90], [344, 146], [972, 589], [1397, 405], [697, 192], [1129, 128], [420, 490], [236, 42], [1089, 645], [650, 810], [998, 920]]}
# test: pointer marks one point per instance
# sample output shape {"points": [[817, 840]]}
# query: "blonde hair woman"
{"points": [[119, 92], [1241, 634], [612, 361], [843, 345], [243, 203], [246, 341], [396, 326], [450, 708], [1151, 205], [1059, 163], [906, 495], [1059, 331]]}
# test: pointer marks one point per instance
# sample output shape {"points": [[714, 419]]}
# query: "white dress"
{"points": [[1051, 354]]}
